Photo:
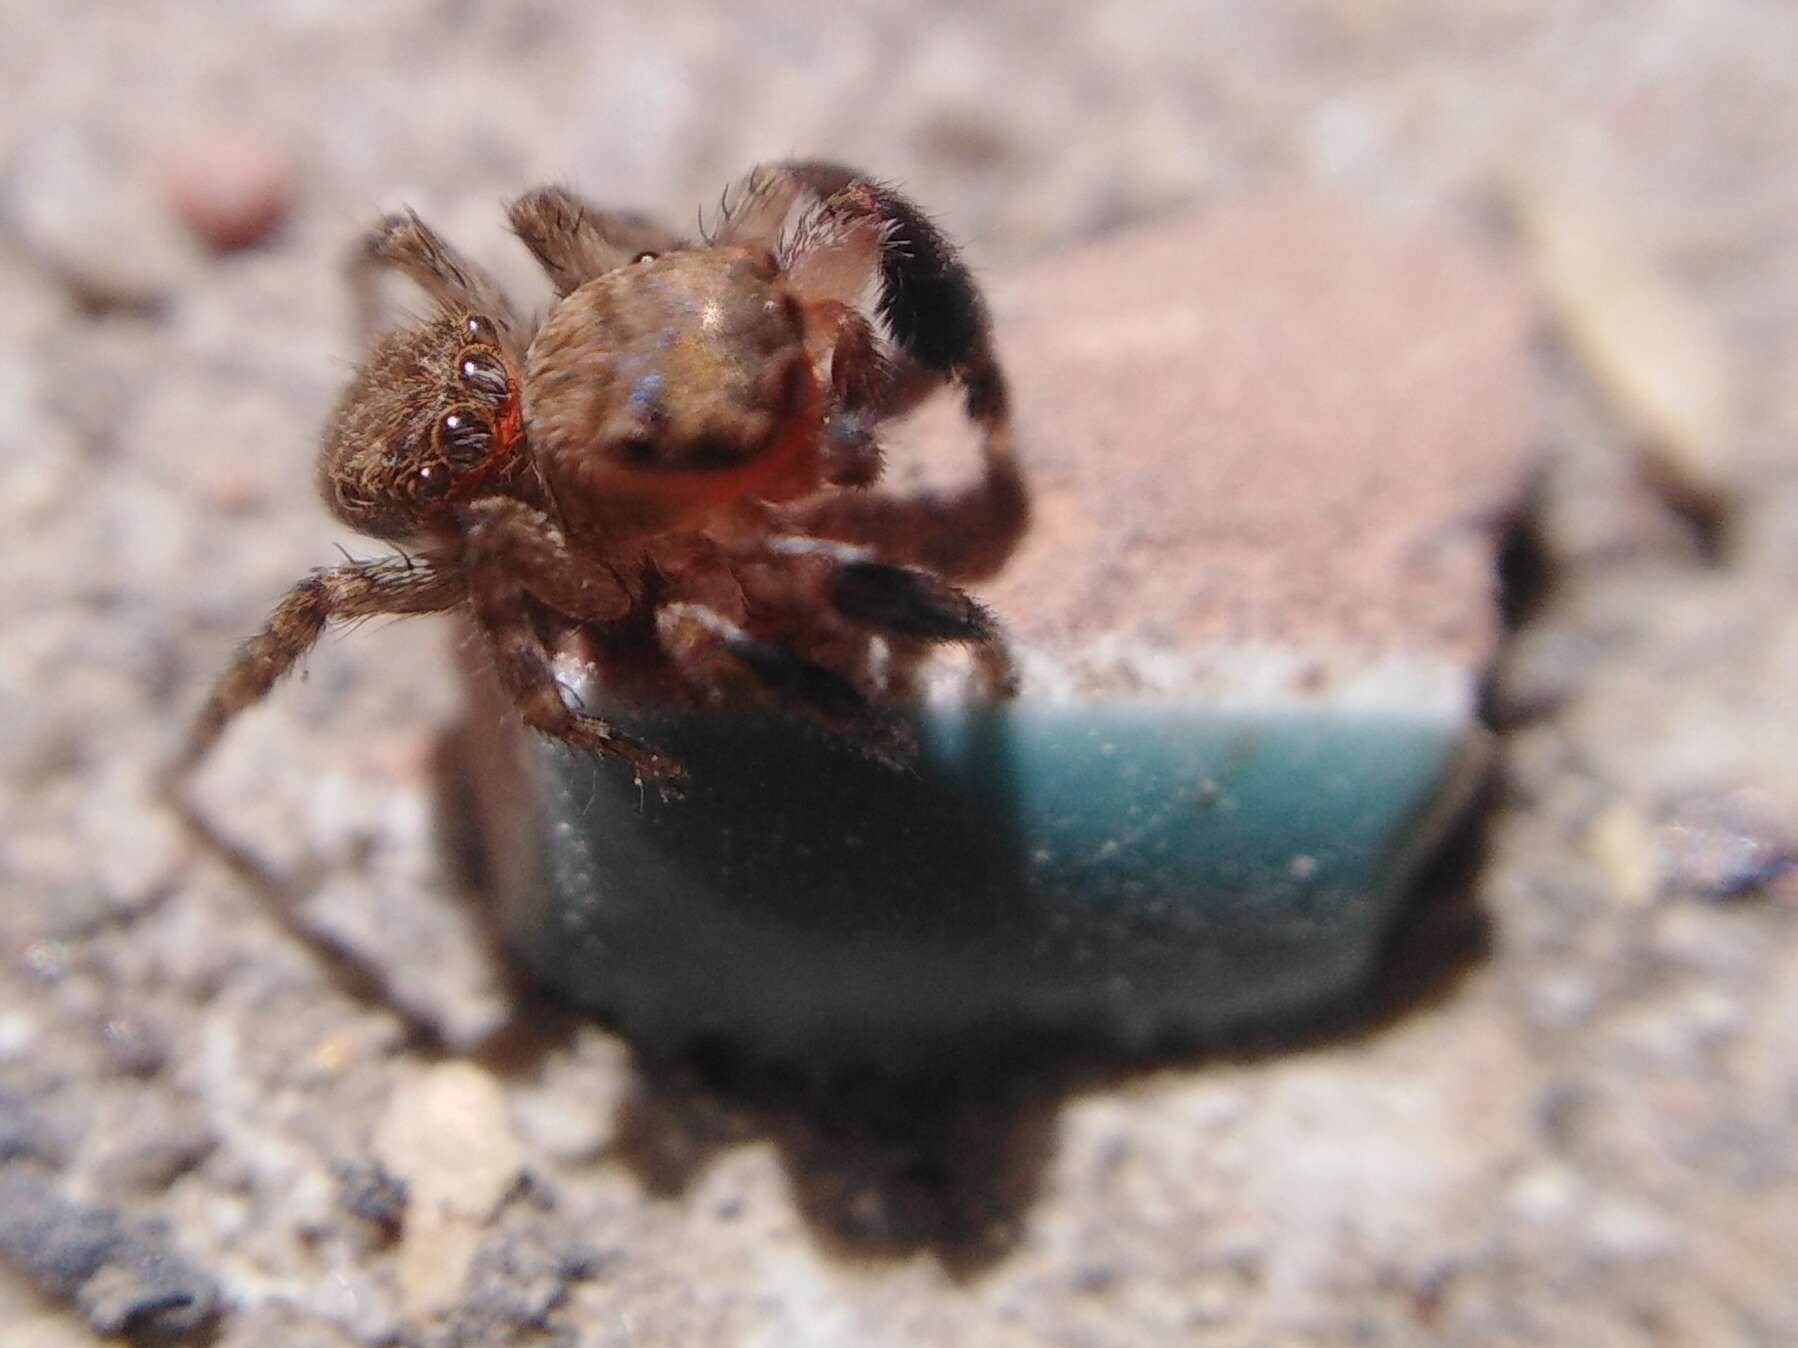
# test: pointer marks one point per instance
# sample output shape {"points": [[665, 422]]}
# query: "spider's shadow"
{"points": [[879, 1167], [951, 1159]]}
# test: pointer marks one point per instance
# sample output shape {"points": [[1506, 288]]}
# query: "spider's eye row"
{"points": [[484, 375], [479, 328], [463, 437]]}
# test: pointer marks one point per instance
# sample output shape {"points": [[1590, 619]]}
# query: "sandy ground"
{"points": [[1582, 1137]]}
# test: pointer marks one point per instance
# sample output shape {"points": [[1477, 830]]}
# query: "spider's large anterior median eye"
{"points": [[484, 375], [464, 437]]}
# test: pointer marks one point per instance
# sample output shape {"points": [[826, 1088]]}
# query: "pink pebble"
{"points": [[232, 189]]}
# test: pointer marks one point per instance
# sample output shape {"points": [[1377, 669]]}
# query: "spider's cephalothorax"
{"points": [[678, 458]]}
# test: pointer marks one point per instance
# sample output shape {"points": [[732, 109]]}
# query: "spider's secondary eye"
{"points": [[645, 257], [479, 328], [430, 481], [484, 375], [463, 437]]}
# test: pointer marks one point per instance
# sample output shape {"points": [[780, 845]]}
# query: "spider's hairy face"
{"points": [[432, 416], [664, 388]]}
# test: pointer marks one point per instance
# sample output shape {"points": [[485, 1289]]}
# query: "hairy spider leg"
{"points": [[574, 240], [937, 318], [403, 243], [513, 554], [357, 589]]}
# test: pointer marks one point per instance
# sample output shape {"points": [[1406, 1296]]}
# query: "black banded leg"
{"points": [[834, 227], [714, 653], [908, 602], [928, 300], [915, 605]]}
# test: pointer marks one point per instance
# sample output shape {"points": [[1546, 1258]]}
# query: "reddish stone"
{"points": [[1276, 425], [232, 189]]}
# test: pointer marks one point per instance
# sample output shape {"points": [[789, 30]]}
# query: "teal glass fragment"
{"points": [[1128, 869]]}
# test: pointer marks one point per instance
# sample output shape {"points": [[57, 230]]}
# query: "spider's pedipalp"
{"points": [[574, 241], [502, 532]]}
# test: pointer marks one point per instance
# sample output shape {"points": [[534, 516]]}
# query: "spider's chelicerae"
{"points": [[677, 461]]}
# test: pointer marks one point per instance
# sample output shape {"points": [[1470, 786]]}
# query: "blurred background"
{"points": [[178, 184]]}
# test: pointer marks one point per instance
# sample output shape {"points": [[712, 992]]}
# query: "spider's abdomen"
{"points": [[661, 387]]}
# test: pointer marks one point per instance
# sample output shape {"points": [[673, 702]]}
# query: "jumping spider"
{"points": [[675, 462]]}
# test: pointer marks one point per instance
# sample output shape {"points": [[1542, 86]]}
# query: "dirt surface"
{"points": [[1582, 1137]]}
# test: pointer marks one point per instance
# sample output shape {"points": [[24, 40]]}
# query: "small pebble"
{"points": [[1648, 345], [134, 1044], [372, 1194], [151, 1143], [24, 1133], [17, 1030], [1621, 840], [119, 1275], [1730, 846], [448, 1139], [520, 1275], [231, 189]]}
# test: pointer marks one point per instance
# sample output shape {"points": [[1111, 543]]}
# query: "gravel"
{"points": [[1581, 1136]]}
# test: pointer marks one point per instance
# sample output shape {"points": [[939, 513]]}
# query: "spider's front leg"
{"points": [[389, 585], [513, 553], [573, 240], [402, 242]]}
